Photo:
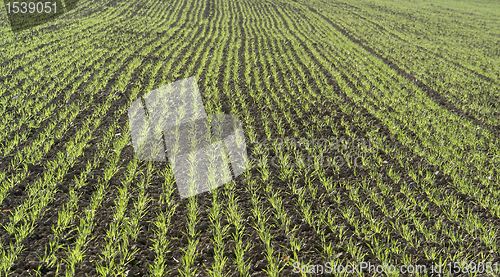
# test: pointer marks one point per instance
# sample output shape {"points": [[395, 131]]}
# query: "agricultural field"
{"points": [[371, 131]]}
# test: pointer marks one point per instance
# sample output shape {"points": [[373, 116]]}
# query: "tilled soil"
{"points": [[312, 251]]}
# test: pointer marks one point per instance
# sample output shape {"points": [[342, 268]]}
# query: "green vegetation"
{"points": [[372, 129]]}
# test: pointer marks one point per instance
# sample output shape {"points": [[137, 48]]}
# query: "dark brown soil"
{"points": [[312, 250]]}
